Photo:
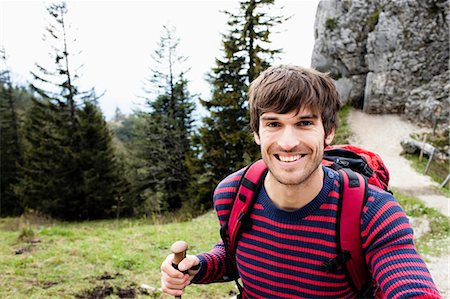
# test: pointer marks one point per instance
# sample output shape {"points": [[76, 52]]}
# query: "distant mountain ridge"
{"points": [[387, 56]]}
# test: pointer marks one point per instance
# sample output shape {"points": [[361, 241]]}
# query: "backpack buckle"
{"points": [[332, 265], [342, 162], [242, 197]]}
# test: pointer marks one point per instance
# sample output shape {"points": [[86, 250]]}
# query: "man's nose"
{"points": [[288, 139]]}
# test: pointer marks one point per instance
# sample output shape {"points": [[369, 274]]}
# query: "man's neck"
{"points": [[294, 197]]}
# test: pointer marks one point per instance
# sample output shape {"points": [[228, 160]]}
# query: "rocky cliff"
{"points": [[387, 56]]}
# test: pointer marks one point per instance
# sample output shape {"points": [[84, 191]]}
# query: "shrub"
{"points": [[331, 23]]}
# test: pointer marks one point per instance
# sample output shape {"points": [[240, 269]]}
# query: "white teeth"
{"points": [[290, 158]]}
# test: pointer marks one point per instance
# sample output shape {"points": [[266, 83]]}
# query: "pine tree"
{"points": [[57, 81], [225, 138], [11, 150], [43, 180], [166, 138], [103, 188], [51, 126], [118, 115], [58, 176]]}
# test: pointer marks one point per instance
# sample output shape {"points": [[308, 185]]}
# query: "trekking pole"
{"points": [[178, 249]]}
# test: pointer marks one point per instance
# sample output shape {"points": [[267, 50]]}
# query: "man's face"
{"points": [[292, 145]]}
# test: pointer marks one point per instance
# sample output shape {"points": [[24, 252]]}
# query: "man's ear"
{"points": [[257, 140], [330, 137]]}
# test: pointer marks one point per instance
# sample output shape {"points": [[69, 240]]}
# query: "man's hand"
{"points": [[173, 281]]}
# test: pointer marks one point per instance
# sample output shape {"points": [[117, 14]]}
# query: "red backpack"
{"points": [[357, 167]]}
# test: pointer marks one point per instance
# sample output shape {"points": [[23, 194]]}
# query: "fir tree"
{"points": [[118, 115], [56, 81], [11, 150], [51, 126], [166, 138], [225, 138], [103, 188], [58, 176], [43, 180]]}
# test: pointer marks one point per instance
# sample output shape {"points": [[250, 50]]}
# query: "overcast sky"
{"points": [[117, 38]]}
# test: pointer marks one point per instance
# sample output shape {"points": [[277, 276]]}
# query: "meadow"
{"points": [[44, 258]]}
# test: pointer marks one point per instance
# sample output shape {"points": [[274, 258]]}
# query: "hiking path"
{"points": [[382, 134]]}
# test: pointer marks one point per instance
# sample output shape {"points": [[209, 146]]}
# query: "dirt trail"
{"points": [[382, 134]]}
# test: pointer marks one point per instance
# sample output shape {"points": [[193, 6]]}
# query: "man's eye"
{"points": [[273, 124], [305, 123]]}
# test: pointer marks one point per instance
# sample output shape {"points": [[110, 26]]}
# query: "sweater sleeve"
{"points": [[216, 265], [391, 256]]}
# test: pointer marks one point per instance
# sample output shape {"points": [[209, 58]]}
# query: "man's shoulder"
{"points": [[231, 180], [376, 191], [380, 201], [224, 194], [372, 190]]}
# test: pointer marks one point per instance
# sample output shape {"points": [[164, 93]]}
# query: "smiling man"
{"points": [[292, 147], [293, 115]]}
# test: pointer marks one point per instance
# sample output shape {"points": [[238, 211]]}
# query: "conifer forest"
{"points": [[60, 157]]}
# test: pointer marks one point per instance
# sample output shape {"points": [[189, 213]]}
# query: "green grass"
{"points": [[436, 241], [74, 260], [343, 132], [438, 169], [67, 260]]}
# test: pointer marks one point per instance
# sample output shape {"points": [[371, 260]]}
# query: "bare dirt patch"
{"points": [[106, 287]]}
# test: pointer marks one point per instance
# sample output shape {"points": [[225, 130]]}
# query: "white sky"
{"points": [[117, 38]]}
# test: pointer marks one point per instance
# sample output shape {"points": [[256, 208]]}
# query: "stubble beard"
{"points": [[306, 174], [304, 177]]}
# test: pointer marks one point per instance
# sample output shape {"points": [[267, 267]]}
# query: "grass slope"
{"points": [[41, 258], [97, 258]]}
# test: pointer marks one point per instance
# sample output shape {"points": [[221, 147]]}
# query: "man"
{"points": [[293, 115]]}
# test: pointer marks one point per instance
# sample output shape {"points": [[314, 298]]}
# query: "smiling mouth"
{"points": [[288, 159]]}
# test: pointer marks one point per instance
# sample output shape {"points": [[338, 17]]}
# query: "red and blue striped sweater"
{"points": [[281, 253]]}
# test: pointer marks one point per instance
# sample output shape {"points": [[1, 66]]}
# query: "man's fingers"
{"points": [[191, 262], [166, 267], [175, 283], [174, 286], [169, 289]]}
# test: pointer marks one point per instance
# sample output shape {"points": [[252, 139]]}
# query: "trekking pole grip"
{"points": [[178, 249]]}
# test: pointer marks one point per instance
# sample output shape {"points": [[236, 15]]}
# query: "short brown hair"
{"points": [[285, 88]]}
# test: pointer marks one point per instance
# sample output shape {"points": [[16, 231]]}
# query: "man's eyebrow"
{"points": [[309, 116], [269, 118], [306, 116]]}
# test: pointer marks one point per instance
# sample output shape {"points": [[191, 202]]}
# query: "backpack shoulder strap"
{"points": [[247, 191], [353, 196]]}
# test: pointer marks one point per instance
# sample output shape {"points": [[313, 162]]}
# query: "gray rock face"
{"points": [[387, 56]]}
